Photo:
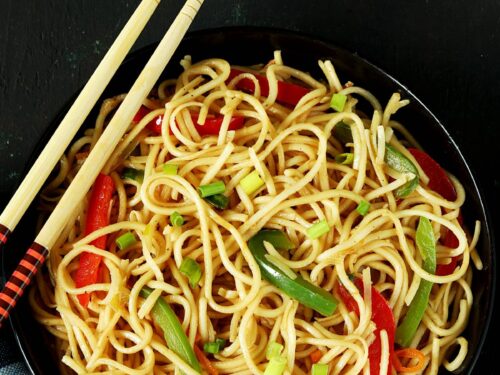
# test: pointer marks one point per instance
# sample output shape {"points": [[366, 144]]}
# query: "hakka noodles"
{"points": [[257, 220]]}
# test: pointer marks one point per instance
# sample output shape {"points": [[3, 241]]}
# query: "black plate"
{"points": [[246, 46]]}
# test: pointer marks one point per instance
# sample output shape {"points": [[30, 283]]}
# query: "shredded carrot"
{"points": [[316, 356], [204, 361], [409, 353]]}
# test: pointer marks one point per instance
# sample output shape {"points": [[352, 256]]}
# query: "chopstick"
{"points": [[39, 250], [74, 119]]}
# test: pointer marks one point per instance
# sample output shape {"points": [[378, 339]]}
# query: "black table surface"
{"points": [[447, 52]]}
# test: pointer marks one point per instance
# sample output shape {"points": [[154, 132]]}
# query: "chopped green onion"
{"points": [[170, 169], [342, 132], [214, 188], [363, 207], [274, 349], [133, 174], [276, 366], [215, 346], [318, 229], [192, 270], [251, 183], [176, 219], [125, 240], [281, 266], [346, 158], [338, 102], [219, 201], [319, 369]]}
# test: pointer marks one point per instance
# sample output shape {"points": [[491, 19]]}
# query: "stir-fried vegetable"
{"points": [[214, 188], [176, 219], [214, 347], [276, 366], [88, 271], [251, 183], [303, 291], [346, 158], [211, 126], [126, 240], [274, 349], [174, 335], [319, 369], [133, 174], [441, 184], [409, 353], [219, 201], [426, 244], [318, 229], [342, 132], [170, 169], [438, 179], [400, 163], [316, 356], [363, 208], [338, 102], [192, 270], [288, 93], [205, 362], [383, 318]]}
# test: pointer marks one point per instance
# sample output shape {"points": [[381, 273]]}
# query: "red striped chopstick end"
{"points": [[21, 278], [4, 234]]}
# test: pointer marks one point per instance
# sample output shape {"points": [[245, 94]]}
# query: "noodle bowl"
{"points": [[305, 179]]}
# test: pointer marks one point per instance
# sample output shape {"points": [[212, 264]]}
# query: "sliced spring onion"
{"points": [[363, 207], [346, 158], [192, 270], [274, 349], [283, 267], [214, 188], [342, 132], [319, 369], [219, 201], [251, 183], [276, 366], [318, 229], [338, 102], [400, 163], [170, 169], [125, 240], [133, 174], [176, 219], [215, 346]]}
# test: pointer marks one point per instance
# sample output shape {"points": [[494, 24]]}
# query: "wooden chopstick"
{"points": [[39, 250], [74, 119]]}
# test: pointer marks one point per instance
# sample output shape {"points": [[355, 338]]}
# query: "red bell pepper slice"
{"points": [[97, 217], [211, 127], [441, 184], [288, 93], [438, 179], [383, 318], [451, 241]]}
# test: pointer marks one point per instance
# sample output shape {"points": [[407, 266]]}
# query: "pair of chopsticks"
{"points": [[17, 206]]}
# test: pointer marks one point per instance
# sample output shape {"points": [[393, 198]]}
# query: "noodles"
{"points": [[218, 124]]}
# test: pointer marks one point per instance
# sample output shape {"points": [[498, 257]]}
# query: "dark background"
{"points": [[447, 52]]}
